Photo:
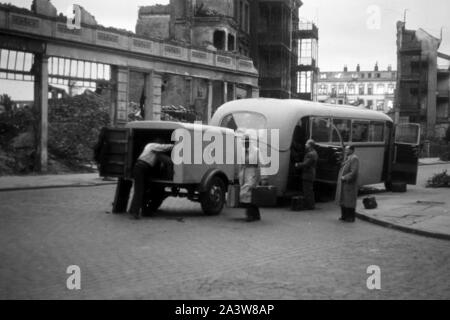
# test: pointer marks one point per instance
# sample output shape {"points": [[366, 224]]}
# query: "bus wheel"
{"points": [[399, 187], [388, 186], [213, 199]]}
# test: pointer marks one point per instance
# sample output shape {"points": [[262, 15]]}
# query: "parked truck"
{"points": [[119, 148]]}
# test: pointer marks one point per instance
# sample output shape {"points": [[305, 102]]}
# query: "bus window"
{"points": [[244, 120], [344, 129], [320, 130], [407, 133], [360, 131], [377, 132]]}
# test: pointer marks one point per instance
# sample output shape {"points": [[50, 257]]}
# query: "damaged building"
{"points": [[423, 81], [215, 26], [257, 29]]}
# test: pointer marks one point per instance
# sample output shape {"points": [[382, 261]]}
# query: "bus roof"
{"points": [[280, 113], [284, 115]]}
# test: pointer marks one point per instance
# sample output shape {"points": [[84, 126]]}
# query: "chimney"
{"points": [[376, 66], [358, 68], [345, 68]]}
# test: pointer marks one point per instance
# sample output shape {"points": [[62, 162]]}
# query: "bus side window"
{"points": [[321, 130], [344, 127], [377, 132], [360, 131]]}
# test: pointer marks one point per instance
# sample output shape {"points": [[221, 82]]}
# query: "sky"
{"points": [[350, 31]]}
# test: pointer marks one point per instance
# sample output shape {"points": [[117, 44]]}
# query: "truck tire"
{"points": [[399, 187], [213, 199], [153, 200]]}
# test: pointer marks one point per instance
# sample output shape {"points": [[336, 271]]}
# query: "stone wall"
{"points": [[222, 7], [154, 21], [87, 18], [154, 26], [44, 7]]}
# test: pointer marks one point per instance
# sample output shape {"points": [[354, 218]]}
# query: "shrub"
{"points": [[440, 180], [447, 135], [74, 126], [445, 157]]}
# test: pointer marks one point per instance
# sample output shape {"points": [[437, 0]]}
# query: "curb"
{"points": [[57, 187], [432, 164], [428, 234]]}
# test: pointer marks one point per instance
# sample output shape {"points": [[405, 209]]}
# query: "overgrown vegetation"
{"points": [[440, 180], [445, 156], [447, 135], [74, 126]]}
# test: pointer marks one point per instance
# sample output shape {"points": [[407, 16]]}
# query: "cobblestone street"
{"points": [[182, 254]]}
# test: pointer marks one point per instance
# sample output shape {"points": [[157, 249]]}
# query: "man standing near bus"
{"points": [[348, 186], [308, 167]]}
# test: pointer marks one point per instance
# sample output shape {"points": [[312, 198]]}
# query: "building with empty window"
{"points": [[423, 82], [221, 27], [267, 31], [274, 49], [374, 89], [307, 68]]}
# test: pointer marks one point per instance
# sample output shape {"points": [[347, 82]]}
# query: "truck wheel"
{"points": [[153, 200], [213, 199]]}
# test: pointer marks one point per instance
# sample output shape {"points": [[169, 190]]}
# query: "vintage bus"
{"points": [[387, 153]]}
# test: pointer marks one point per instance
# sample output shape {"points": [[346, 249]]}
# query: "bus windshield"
{"points": [[244, 120]]}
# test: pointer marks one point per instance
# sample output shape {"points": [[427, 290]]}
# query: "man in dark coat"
{"points": [[348, 186], [308, 167], [144, 169]]}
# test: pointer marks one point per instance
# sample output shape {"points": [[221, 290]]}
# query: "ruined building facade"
{"points": [[216, 26], [307, 67], [259, 29], [423, 84], [274, 49]]}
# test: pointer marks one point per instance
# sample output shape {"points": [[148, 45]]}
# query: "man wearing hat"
{"points": [[308, 167]]}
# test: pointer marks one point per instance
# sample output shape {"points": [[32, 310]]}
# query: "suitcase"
{"points": [[298, 203], [399, 187], [370, 203], [264, 196], [233, 195]]}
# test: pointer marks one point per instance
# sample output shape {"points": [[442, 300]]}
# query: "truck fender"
{"points": [[209, 176]]}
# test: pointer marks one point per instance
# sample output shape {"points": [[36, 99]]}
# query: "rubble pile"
{"points": [[17, 141], [441, 180], [74, 126]]}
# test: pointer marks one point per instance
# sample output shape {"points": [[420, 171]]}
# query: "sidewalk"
{"points": [[431, 161], [421, 210], [12, 183]]}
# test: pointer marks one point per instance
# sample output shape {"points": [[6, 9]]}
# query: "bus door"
{"points": [[406, 153], [297, 154]]}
